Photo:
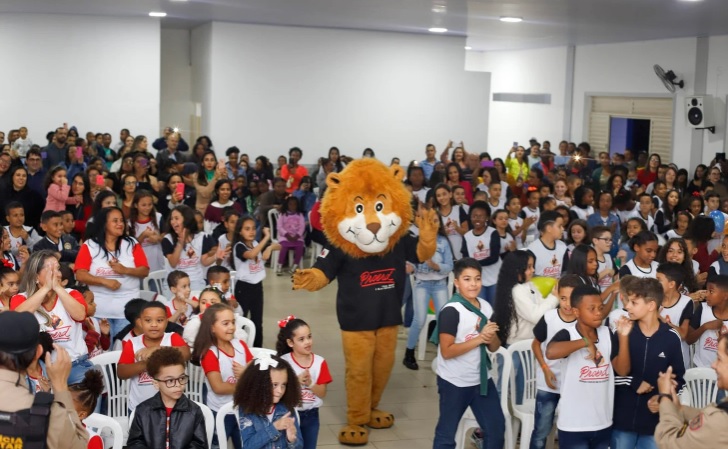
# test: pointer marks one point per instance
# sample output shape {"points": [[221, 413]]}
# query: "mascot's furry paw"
{"points": [[381, 420], [353, 435], [428, 222], [311, 279]]}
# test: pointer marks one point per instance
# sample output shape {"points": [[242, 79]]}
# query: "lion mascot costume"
{"points": [[366, 215]]}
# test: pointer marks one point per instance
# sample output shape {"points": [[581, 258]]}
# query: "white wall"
{"points": [[277, 87], [176, 104], [201, 53], [526, 72], [100, 74], [627, 69], [717, 87]]}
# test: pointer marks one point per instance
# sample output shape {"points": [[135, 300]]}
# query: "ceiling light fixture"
{"points": [[437, 30], [157, 14], [511, 19], [467, 47]]}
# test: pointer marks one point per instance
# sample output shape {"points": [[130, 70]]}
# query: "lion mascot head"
{"points": [[366, 208]]}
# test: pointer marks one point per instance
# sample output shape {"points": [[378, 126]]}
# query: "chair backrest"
{"points": [[502, 365], [97, 422], [209, 422], [524, 361], [273, 215], [117, 389], [147, 295], [220, 423], [156, 281], [248, 326], [259, 351], [701, 385], [196, 382]]}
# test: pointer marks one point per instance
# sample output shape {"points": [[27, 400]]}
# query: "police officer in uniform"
{"points": [[18, 347], [683, 427]]}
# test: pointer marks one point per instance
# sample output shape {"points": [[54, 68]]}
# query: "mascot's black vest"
{"points": [[27, 429]]}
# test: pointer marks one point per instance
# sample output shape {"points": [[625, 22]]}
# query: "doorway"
{"points": [[629, 133]]}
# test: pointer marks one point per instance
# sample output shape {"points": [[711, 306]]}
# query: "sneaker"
{"points": [[279, 271], [477, 438], [294, 267]]}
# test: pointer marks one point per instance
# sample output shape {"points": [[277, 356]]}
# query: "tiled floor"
{"points": [[410, 395]]}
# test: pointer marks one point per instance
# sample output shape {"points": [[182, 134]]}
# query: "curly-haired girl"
{"points": [[266, 396]]}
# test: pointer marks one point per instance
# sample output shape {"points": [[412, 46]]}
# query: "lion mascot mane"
{"points": [[366, 215]]}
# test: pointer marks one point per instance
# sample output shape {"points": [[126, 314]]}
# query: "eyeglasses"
{"points": [[606, 239], [130, 183], [170, 383]]}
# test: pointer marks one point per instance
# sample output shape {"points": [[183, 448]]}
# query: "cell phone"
{"points": [[719, 156], [180, 188], [515, 144], [220, 164], [100, 180], [79, 153]]}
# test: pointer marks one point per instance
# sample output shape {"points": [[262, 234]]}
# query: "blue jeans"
{"points": [[407, 303], [487, 292], [117, 324], [597, 439], [78, 369], [453, 403], [232, 431], [546, 403], [309, 427], [423, 291], [622, 439]]}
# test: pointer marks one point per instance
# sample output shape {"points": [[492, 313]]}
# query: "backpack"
{"points": [[27, 429]]}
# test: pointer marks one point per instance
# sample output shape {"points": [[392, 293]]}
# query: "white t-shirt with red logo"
{"points": [[171, 310], [153, 251], [706, 348], [217, 360], [251, 271], [549, 261], [320, 375], [141, 387], [65, 331], [190, 259], [91, 257]]}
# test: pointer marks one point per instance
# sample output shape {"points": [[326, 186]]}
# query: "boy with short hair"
{"points": [[531, 212], [677, 308], [68, 224], [653, 347], [644, 211], [588, 350], [21, 237], [52, 224], [709, 321], [550, 251], [494, 193], [135, 353], [464, 330], [548, 377], [180, 307], [132, 310], [218, 276], [168, 418]]}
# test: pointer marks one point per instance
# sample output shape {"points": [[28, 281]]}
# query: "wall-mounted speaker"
{"points": [[699, 111]]}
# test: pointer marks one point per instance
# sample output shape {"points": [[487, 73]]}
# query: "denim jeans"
{"points": [[309, 427], [407, 303], [423, 291], [597, 439], [232, 431], [78, 369], [546, 403], [622, 439], [487, 292], [453, 403]]}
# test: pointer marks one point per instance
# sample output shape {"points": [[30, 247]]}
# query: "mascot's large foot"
{"points": [[353, 435], [381, 420]]}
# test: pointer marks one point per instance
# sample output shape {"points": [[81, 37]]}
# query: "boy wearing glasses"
{"points": [[137, 351], [167, 419]]}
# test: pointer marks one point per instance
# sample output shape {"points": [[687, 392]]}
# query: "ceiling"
{"points": [[546, 23]]}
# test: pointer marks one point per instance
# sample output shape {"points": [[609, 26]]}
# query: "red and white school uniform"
{"points": [[320, 375], [153, 251], [141, 387], [65, 331], [217, 360], [91, 257], [171, 310]]}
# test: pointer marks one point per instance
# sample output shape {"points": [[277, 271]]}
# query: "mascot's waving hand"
{"points": [[366, 215]]}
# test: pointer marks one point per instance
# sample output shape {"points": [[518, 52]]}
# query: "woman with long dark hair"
{"points": [[222, 200], [204, 180], [81, 211], [17, 189], [112, 264], [647, 175]]}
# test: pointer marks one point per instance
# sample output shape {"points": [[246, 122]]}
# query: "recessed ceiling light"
{"points": [[157, 14], [511, 19], [467, 47], [437, 30]]}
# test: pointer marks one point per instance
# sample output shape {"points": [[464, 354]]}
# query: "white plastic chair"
{"points": [[209, 422], [430, 317], [247, 325], [98, 422], [156, 281], [701, 387], [315, 247], [525, 410], [116, 389], [195, 383], [225, 410], [500, 372], [148, 295]]}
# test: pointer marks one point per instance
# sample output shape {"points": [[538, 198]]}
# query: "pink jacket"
{"points": [[58, 198], [291, 224]]}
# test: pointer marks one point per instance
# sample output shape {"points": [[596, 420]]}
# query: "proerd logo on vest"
{"points": [[377, 277]]}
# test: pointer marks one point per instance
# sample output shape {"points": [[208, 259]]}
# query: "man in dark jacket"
{"points": [[185, 427]]}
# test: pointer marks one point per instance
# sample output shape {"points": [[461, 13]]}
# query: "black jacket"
{"points": [[149, 428], [648, 357]]}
